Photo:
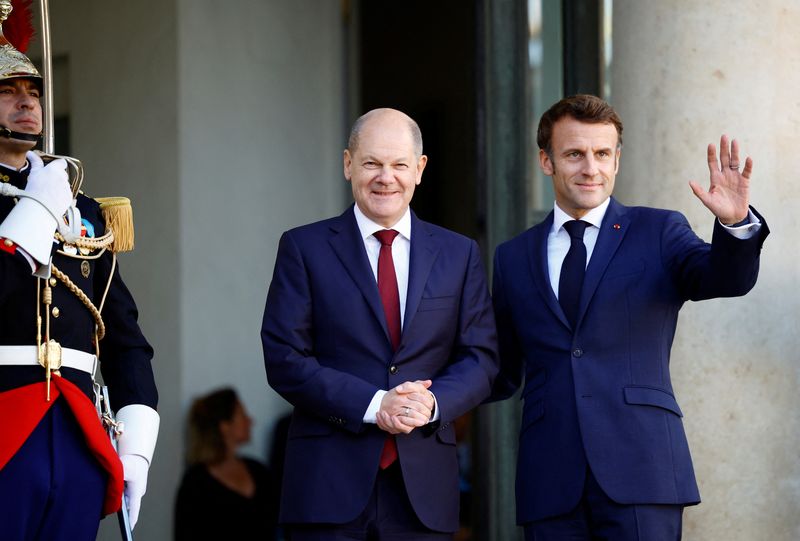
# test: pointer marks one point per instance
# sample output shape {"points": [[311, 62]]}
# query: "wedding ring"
{"points": [[406, 411], [734, 166]]}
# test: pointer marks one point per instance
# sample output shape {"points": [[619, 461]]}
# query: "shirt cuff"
{"points": [[436, 415], [370, 416], [745, 229]]}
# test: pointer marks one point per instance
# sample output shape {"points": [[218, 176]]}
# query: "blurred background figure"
{"points": [[223, 495]]}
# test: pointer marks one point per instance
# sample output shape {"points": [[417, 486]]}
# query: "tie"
{"points": [[572, 271], [390, 297]]}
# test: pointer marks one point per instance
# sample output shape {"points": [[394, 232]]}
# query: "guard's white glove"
{"points": [[32, 221], [49, 184], [135, 468], [135, 447]]}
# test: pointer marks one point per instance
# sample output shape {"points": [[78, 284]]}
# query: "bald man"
{"points": [[379, 330]]}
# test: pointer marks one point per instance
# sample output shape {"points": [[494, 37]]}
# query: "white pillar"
{"points": [[683, 73]]}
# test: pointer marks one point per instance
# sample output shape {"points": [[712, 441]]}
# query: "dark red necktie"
{"points": [[390, 297]]}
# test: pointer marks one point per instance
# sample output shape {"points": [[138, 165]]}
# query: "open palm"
{"points": [[728, 196]]}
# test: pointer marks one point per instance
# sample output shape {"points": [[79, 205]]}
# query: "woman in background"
{"points": [[222, 495]]}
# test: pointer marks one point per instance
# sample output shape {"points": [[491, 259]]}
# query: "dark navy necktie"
{"points": [[390, 297], [572, 271]]}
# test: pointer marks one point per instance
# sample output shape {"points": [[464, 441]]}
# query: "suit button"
{"points": [[393, 370], [577, 352]]}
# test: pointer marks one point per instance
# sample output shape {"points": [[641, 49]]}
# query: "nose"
{"points": [[385, 175], [590, 167], [26, 101]]}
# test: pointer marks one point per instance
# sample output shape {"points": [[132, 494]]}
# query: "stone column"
{"points": [[683, 73]]}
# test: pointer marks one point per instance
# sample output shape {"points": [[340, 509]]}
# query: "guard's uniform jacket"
{"points": [[125, 355]]}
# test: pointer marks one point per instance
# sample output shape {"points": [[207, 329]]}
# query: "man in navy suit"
{"points": [[586, 305], [378, 329]]}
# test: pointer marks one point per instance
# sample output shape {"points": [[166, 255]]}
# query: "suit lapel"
{"points": [[424, 249], [537, 260], [348, 245], [612, 230]]}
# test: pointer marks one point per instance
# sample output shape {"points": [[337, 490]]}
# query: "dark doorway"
{"points": [[419, 56]]}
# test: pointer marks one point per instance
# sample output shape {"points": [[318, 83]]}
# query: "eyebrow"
{"points": [[372, 158], [583, 151]]}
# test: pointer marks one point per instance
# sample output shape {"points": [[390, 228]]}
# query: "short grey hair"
{"points": [[358, 125]]}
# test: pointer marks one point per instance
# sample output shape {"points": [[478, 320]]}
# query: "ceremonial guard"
{"points": [[64, 312]]}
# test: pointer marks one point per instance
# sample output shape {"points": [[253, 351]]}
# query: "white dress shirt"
{"points": [[401, 253], [401, 250], [558, 240]]}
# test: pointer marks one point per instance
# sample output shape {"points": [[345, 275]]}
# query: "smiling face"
{"points": [[383, 168], [583, 163]]}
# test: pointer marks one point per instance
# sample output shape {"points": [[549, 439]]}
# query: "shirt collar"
{"points": [[367, 227], [20, 170], [594, 216]]}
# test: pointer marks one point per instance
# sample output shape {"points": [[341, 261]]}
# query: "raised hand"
{"points": [[728, 196]]}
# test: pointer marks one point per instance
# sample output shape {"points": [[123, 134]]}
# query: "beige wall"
{"points": [[261, 131], [683, 73], [224, 123], [123, 126]]}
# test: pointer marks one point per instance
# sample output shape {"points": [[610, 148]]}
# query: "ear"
{"points": [[423, 161], [616, 160], [545, 163], [347, 164]]}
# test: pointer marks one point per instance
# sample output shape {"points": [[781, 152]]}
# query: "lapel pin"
{"points": [[617, 226]]}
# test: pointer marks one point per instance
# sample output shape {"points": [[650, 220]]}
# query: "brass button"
{"points": [[85, 268], [53, 282], [8, 242], [56, 312]]}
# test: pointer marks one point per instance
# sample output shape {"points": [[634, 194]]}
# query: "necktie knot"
{"points": [[576, 228], [386, 236]]}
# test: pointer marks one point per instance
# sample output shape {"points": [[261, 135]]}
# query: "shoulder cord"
{"points": [[97, 335], [101, 327], [92, 243]]}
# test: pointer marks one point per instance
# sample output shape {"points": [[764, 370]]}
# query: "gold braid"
{"points": [[92, 243], [101, 327]]}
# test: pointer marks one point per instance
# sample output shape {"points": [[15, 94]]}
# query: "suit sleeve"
{"points": [[728, 267], [511, 361], [287, 336], [467, 380], [125, 354]]}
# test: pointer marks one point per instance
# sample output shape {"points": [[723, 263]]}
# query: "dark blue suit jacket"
{"points": [[327, 351], [601, 392]]}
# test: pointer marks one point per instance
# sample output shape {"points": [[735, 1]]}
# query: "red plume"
{"points": [[18, 28]]}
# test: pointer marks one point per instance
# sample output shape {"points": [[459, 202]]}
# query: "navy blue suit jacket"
{"points": [[327, 351], [601, 392]]}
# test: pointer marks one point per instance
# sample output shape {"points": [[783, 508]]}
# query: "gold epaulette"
{"points": [[118, 215]]}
